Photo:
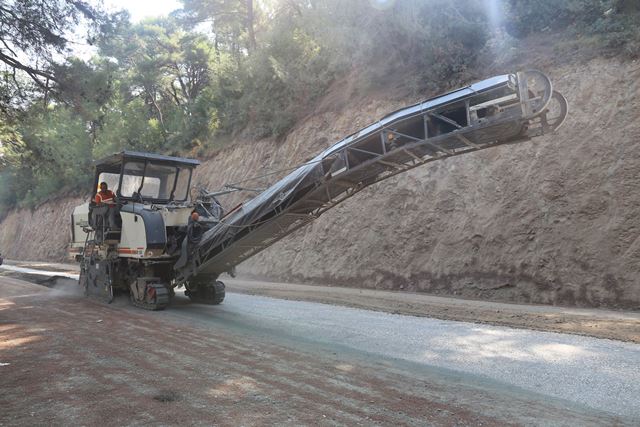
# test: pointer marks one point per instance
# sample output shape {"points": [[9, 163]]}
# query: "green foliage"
{"points": [[616, 22], [231, 21], [309, 44], [429, 40], [9, 140], [33, 32], [217, 68], [525, 17], [53, 151], [166, 86], [289, 72], [8, 197], [619, 30]]}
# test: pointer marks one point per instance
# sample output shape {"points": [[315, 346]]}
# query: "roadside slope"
{"points": [[555, 220]]}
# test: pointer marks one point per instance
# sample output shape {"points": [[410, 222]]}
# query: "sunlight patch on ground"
{"points": [[497, 344], [4, 345], [344, 367], [4, 304], [234, 388], [555, 352], [8, 327]]}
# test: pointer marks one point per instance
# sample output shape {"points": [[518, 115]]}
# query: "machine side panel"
{"points": [[152, 223], [80, 218], [133, 241]]}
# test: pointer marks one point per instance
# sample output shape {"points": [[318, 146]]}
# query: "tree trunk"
{"points": [[250, 29]]}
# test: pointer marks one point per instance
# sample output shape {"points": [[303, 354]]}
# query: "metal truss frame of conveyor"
{"points": [[502, 110]]}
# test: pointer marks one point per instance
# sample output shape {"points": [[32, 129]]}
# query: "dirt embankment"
{"points": [[40, 234], [555, 220]]}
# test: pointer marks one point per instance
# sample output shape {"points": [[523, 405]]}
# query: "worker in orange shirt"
{"points": [[107, 197]]}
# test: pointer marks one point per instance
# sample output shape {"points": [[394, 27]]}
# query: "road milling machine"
{"points": [[157, 238]]}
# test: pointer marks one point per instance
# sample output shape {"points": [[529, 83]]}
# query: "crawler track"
{"points": [[157, 298]]}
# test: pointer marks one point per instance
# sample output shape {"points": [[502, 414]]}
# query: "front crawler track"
{"points": [[207, 293]]}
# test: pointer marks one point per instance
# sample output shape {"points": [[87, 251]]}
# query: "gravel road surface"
{"points": [[562, 379], [620, 325], [602, 374]]}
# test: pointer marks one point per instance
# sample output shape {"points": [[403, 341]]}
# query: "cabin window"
{"points": [[154, 181], [182, 185], [112, 180], [132, 178]]}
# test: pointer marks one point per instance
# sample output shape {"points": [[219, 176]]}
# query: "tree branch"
{"points": [[32, 72]]}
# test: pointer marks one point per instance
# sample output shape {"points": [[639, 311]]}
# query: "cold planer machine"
{"points": [[156, 238]]}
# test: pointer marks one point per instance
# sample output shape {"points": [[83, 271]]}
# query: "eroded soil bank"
{"points": [[553, 221]]}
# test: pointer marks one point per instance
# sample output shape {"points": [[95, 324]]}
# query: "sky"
{"points": [[140, 9]]}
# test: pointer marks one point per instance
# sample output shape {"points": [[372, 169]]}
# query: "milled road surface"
{"points": [[602, 374], [621, 325], [256, 360]]}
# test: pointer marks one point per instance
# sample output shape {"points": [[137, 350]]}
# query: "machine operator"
{"points": [[107, 197]]}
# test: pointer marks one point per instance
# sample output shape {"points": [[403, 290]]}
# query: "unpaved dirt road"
{"points": [[260, 361]]}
